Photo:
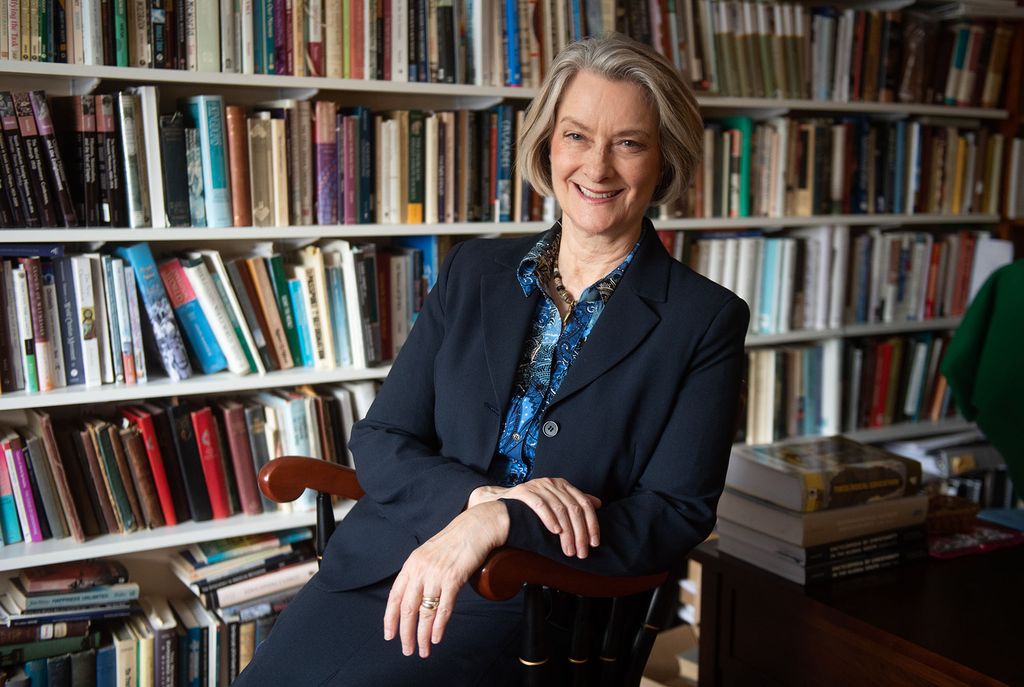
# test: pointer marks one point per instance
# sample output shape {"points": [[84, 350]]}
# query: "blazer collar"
{"points": [[628, 318]]}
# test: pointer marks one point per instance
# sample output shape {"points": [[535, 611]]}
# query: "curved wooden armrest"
{"points": [[284, 479], [506, 570]]}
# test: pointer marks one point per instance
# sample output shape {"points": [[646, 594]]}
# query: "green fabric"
{"points": [[985, 365]]}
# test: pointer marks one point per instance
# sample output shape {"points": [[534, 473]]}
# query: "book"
{"points": [[73, 576], [825, 526], [93, 596], [820, 473], [190, 314]]}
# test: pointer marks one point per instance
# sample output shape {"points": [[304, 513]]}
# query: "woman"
{"points": [[571, 394]]}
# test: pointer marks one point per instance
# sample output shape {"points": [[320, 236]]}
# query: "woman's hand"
{"points": [[564, 510], [437, 570]]}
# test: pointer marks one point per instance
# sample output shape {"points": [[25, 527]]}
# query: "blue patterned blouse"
{"points": [[547, 354]]}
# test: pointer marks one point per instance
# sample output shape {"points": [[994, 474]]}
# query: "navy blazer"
{"points": [[643, 420]]}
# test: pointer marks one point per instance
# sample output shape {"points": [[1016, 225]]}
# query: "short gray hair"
{"points": [[618, 58]]}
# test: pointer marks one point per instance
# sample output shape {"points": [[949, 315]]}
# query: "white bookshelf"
{"points": [[910, 430], [23, 555], [783, 106], [851, 330], [221, 382]]}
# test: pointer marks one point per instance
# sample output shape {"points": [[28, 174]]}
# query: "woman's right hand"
{"points": [[564, 510]]}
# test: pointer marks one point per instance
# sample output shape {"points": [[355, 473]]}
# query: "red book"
{"points": [[933, 281], [233, 416], [212, 461], [356, 44], [387, 348], [963, 273], [74, 576], [144, 421], [881, 386]]}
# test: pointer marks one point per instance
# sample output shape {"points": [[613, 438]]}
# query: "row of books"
{"points": [[90, 319], [825, 388], [790, 50], [84, 630], [158, 464], [820, 510], [116, 160], [817, 279], [789, 167]]}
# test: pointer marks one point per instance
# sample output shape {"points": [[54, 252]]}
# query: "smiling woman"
{"points": [[571, 394]]}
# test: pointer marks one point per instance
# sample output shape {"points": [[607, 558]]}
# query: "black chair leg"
{"points": [[324, 522], [579, 650], [654, 621], [610, 666], [534, 658]]}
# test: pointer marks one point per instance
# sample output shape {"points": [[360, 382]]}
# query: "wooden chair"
{"points": [[633, 608]]}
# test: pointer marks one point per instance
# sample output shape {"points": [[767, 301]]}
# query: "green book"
{"points": [[417, 182], [14, 654], [745, 127], [113, 475], [121, 32], [275, 268]]}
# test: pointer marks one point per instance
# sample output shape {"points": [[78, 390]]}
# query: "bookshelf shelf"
{"points": [[222, 382], [719, 223], [910, 430], [774, 105], [22, 555], [755, 340], [344, 231], [219, 80]]}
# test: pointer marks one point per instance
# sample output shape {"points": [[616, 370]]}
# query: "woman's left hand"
{"points": [[437, 570]]}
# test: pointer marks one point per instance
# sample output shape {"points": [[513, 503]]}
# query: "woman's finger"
{"points": [[429, 607], [410, 608], [392, 611], [444, 613]]}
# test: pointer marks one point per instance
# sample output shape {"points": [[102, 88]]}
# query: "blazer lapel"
{"points": [[506, 313], [627, 319]]}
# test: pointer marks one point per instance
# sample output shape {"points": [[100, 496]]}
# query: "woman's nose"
{"points": [[596, 165]]}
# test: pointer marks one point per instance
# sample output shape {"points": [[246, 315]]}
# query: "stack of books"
{"points": [[822, 509], [240, 587]]}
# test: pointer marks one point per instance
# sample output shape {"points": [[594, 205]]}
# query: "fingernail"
{"points": [[407, 651], [593, 541], [387, 636]]}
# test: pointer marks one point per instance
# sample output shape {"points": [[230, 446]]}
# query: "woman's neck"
{"points": [[583, 259]]}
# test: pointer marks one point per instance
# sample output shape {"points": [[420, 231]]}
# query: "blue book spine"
{"points": [[197, 328], [365, 161], [106, 666], [301, 322], [207, 112], [504, 185], [766, 310], [31, 250], [259, 43], [514, 70], [339, 316], [268, 36], [158, 311], [577, 20], [427, 245], [897, 187], [36, 671], [70, 329], [9, 524]]}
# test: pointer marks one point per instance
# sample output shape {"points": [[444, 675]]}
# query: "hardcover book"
{"points": [[820, 473], [59, 578]]}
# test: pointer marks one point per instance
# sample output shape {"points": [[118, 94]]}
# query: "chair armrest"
{"points": [[284, 479], [506, 570]]}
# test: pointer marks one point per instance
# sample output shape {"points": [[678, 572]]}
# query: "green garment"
{"points": [[985, 365]]}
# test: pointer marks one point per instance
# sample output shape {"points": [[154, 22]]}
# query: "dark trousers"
{"points": [[337, 638]]}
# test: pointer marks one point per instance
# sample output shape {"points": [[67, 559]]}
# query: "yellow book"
{"points": [[958, 178]]}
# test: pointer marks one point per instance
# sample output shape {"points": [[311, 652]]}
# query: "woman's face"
{"points": [[605, 159]]}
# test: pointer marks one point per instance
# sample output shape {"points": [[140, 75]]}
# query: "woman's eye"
{"points": [[573, 136], [629, 144]]}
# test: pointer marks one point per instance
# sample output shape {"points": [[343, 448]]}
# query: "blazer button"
{"points": [[550, 428]]}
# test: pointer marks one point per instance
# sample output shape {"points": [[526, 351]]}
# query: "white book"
{"points": [[312, 427], [279, 163], [399, 40], [394, 170], [207, 32], [831, 385], [14, 30], [989, 255], [124, 324], [363, 395], [967, 195], [730, 263], [879, 261], [746, 273], [246, 38], [430, 169], [135, 321], [290, 577], [92, 32], [228, 40], [913, 171], [53, 322], [347, 413], [916, 379], [26, 339], [88, 320], [756, 289], [837, 274], [948, 284], [313, 260], [76, 40], [191, 42], [352, 310], [782, 126], [216, 314], [401, 312], [784, 307], [292, 436], [219, 273], [333, 43], [716, 259]]}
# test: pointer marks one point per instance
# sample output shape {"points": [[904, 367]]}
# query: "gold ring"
{"points": [[430, 602]]}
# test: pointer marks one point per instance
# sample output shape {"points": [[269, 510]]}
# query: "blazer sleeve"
{"points": [[672, 506], [396, 448]]}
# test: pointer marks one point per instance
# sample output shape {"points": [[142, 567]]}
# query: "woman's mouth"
{"points": [[590, 194]]}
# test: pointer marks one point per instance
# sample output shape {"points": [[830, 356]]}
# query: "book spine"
{"points": [[52, 310], [69, 324], [110, 170], [124, 324], [285, 578], [9, 520], [238, 157], [112, 594], [234, 311], [158, 310], [210, 303], [54, 163], [242, 460], [194, 178], [22, 483], [326, 164], [85, 317], [134, 156], [238, 274], [275, 270], [157, 467], [339, 316], [142, 477], [207, 114], [211, 461], [264, 295], [148, 140], [256, 433], [197, 328], [135, 324], [34, 158], [295, 289], [41, 333], [189, 462], [26, 343], [279, 172], [112, 316], [19, 165]]}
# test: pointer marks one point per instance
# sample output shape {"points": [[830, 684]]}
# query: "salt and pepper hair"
{"points": [[618, 58]]}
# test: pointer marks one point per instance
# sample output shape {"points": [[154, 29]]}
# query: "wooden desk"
{"points": [[934, 622]]}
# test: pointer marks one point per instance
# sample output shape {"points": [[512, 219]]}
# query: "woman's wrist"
{"points": [[493, 519], [484, 494]]}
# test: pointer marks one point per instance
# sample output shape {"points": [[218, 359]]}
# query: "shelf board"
{"points": [[27, 555], [941, 323], [341, 231], [268, 81], [910, 430], [718, 223], [221, 382], [805, 105], [347, 231]]}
